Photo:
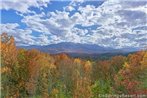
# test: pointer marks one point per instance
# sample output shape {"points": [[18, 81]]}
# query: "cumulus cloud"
{"points": [[69, 8], [23, 5], [22, 37]]}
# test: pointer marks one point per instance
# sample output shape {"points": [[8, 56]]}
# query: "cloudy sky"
{"points": [[108, 23]]}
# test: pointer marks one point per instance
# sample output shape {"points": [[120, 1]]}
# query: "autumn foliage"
{"points": [[34, 74]]}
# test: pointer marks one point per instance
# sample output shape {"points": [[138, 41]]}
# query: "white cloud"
{"points": [[139, 8], [21, 36], [76, 2], [22, 5], [115, 19], [69, 8]]}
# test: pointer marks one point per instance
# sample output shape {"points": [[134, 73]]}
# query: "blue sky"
{"points": [[108, 23]]}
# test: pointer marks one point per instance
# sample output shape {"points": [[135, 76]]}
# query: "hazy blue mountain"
{"points": [[68, 47]]}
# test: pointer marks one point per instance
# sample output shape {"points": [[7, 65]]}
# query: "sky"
{"points": [[107, 23]]}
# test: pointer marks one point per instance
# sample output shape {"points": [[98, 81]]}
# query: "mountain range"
{"points": [[69, 47]]}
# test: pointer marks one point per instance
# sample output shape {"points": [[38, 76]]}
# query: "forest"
{"points": [[34, 74]]}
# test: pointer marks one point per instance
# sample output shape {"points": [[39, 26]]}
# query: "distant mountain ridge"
{"points": [[69, 47]]}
